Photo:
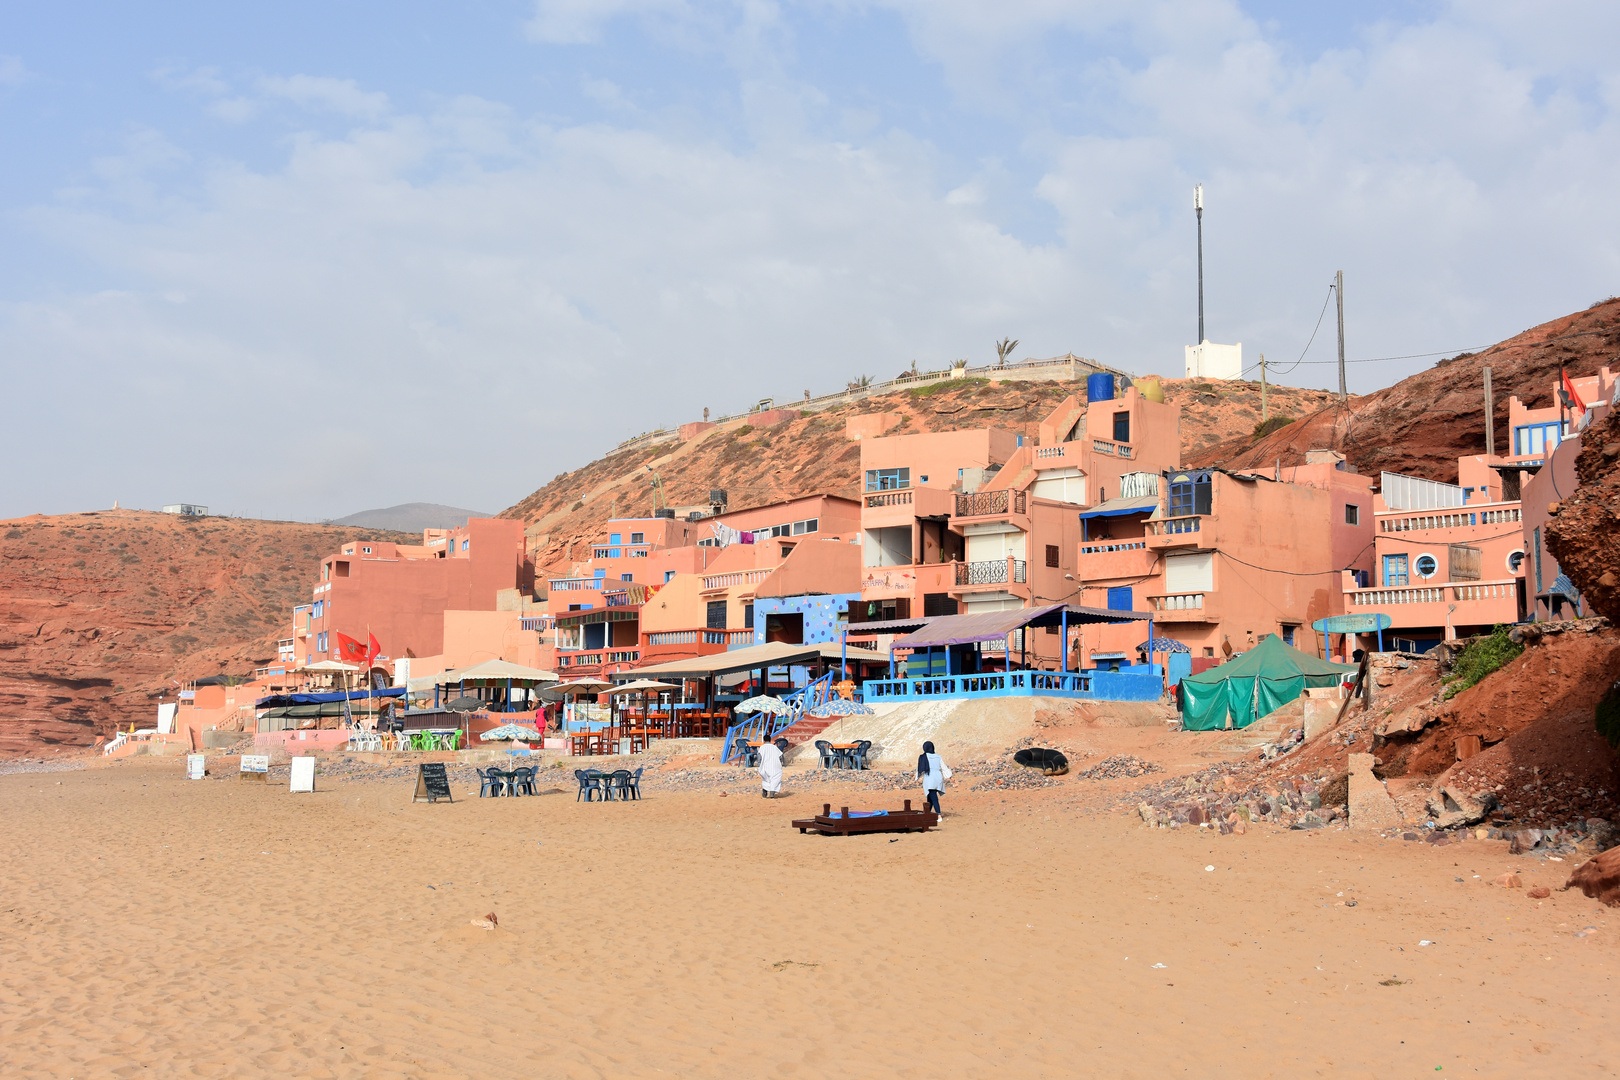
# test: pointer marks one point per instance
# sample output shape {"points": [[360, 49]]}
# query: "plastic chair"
{"points": [[857, 756], [586, 786], [489, 784], [619, 784], [828, 756], [525, 780], [598, 785], [632, 783]]}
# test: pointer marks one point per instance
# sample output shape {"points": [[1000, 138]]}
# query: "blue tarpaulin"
{"points": [[276, 701]]}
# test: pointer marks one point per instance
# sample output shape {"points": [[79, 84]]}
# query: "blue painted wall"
{"points": [[820, 614]]}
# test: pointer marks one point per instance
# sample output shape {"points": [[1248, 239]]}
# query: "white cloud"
{"points": [[342, 96], [577, 22], [12, 71], [458, 304]]}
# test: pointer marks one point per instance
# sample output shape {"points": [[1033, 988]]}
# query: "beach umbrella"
{"points": [[511, 731], [465, 704], [642, 685], [840, 707], [764, 703], [581, 686]]}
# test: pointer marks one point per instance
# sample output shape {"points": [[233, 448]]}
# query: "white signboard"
{"points": [[256, 763], [402, 671], [303, 774], [165, 721], [195, 766]]}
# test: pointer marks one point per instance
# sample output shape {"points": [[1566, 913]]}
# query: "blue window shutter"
{"points": [[1119, 599]]}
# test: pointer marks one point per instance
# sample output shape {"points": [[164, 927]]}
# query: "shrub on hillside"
{"points": [[1479, 659]]}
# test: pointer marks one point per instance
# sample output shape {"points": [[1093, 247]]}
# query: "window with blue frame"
{"points": [[1190, 494], [320, 641], [465, 544], [627, 577], [669, 576], [1120, 599], [320, 609], [887, 479], [613, 538], [1288, 634], [1535, 438], [1396, 571]]}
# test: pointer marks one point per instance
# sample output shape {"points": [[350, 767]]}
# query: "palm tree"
{"points": [[861, 383], [1003, 347]]}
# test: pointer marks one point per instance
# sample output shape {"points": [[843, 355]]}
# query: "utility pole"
{"points": [[1263, 387], [1198, 207], [1338, 294], [1490, 414]]}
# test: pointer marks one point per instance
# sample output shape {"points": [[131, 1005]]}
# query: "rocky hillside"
{"points": [[811, 454], [1424, 423], [98, 612], [1582, 535]]}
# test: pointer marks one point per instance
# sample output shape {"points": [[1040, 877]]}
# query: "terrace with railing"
{"points": [[626, 551], [992, 572], [1183, 607], [991, 503], [740, 577], [576, 584], [1113, 449]]}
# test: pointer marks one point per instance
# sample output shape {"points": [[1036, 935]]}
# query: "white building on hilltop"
{"points": [[1207, 360]]}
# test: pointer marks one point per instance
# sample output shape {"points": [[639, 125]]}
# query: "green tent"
{"points": [[1265, 678]]}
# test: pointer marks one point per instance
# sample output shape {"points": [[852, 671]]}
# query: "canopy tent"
{"points": [[488, 673], [994, 625], [278, 700], [771, 654], [1264, 679], [641, 686], [331, 665]]}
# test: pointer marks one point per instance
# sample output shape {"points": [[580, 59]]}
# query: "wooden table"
{"points": [[841, 824]]}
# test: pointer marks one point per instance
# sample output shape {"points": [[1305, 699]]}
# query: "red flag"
{"points": [[1577, 407], [351, 650], [373, 650]]}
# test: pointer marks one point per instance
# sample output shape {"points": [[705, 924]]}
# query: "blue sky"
{"points": [[305, 259]]}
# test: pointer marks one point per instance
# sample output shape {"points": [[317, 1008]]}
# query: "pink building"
{"points": [[399, 592], [975, 521], [1222, 559]]}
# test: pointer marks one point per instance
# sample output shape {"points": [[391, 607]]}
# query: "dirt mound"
{"points": [[1581, 535], [98, 612], [1424, 423], [1559, 678]]}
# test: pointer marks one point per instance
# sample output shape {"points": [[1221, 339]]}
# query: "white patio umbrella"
{"points": [[764, 703]]}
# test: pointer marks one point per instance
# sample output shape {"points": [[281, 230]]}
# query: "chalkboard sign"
{"points": [[432, 782]]}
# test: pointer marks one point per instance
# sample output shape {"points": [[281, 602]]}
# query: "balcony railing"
{"points": [[673, 637], [537, 622], [1178, 602], [741, 577], [1113, 449], [615, 551], [1043, 453], [1421, 522], [889, 498], [576, 584], [992, 572], [624, 656], [618, 598], [1120, 545], [1173, 526], [579, 660], [987, 503], [1435, 594]]}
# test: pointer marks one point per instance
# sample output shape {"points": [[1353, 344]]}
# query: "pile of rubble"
{"points": [[1218, 796], [1120, 765]]}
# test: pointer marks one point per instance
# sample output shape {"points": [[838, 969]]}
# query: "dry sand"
{"points": [[155, 926]]}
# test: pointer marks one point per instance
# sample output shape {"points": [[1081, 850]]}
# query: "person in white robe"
{"points": [[770, 770]]}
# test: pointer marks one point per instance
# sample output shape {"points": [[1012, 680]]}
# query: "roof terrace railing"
{"points": [[740, 577], [577, 584]]}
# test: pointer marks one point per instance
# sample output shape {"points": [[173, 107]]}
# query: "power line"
{"points": [[1312, 341]]}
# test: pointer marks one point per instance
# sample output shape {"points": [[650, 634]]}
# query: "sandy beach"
{"points": [[165, 927]]}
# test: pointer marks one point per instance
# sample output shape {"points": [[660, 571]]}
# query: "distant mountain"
{"points": [[411, 517]]}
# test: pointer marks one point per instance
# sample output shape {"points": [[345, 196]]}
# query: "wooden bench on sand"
{"points": [[845, 823]]}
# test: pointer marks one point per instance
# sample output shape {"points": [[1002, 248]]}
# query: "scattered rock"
{"points": [[1369, 803], [1540, 892], [1508, 881]]}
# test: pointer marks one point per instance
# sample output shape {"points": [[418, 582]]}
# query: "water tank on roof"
{"points": [[1100, 387]]}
